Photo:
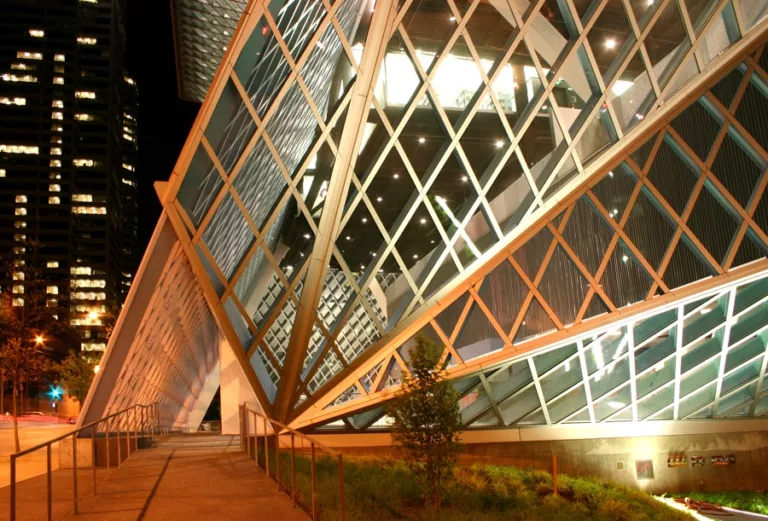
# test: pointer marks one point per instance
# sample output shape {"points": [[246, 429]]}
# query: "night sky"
{"points": [[164, 119]]}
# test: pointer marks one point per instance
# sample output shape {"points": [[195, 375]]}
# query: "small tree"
{"points": [[26, 324], [76, 374], [427, 421]]}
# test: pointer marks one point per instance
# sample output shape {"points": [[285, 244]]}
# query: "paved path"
{"points": [[183, 478]]}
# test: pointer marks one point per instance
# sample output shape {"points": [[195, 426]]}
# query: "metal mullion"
{"points": [[739, 19], [643, 51], [186, 221], [492, 399], [534, 291], [552, 370], [678, 359], [447, 341], [380, 375], [691, 34], [730, 118], [489, 316], [623, 235], [580, 266], [399, 361], [248, 320], [287, 294], [715, 403], [585, 380], [341, 36], [724, 350], [269, 354], [462, 318], [601, 100], [213, 157], [539, 393], [694, 46], [759, 387], [752, 61], [203, 250]]}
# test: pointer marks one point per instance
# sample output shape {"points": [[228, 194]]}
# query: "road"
{"points": [[30, 434]]}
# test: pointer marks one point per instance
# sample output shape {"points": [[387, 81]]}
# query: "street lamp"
{"points": [[39, 339]]}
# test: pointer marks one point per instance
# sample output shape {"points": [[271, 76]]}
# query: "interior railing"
{"points": [[274, 433]]}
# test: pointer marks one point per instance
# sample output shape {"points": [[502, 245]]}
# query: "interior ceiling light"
{"points": [[610, 43], [499, 144], [422, 140], [396, 176], [464, 178]]}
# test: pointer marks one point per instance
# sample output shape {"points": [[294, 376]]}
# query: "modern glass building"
{"points": [[68, 156], [568, 196]]}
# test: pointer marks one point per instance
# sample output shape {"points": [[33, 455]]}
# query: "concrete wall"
{"points": [[615, 457]]}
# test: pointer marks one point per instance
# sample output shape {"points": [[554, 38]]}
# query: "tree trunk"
{"points": [[15, 416]]}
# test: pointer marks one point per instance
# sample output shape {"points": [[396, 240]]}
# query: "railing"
{"points": [[279, 429], [140, 420]]}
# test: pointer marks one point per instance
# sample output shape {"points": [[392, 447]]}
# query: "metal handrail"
{"points": [[141, 420], [282, 430]]}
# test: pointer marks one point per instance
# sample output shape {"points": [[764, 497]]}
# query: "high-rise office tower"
{"points": [[68, 155]]}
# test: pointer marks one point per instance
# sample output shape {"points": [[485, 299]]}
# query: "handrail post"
{"points": [[266, 448], [128, 426], [74, 471], [293, 470], [119, 448], [256, 439], [106, 430], [93, 456], [242, 440], [50, 483], [341, 489], [13, 487], [314, 483], [248, 428], [277, 458]]}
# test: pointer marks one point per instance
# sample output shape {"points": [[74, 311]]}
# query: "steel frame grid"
{"points": [[426, 87], [577, 358], [618, 228], [261, 127]]}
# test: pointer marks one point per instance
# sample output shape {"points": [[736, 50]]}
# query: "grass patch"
{"points": [[750, 501], [379, 489]]}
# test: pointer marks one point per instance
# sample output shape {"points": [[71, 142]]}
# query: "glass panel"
{"points": [[647, 328], [750, 349], [503, 292], [698, 128], [702, 350], [561, 378], [649, 229], [517, 406], [666, 43], [713, 222], [624, 280], [563, 286], [741, 376], [244, 334], [701, 399], [230, 127], [632, 94], [473, 404], [448, 319], [749, 322], [546, 361], [735, 167], [477, 337], [729, 403], [753, 109], [655, 403], [587, 234], [536, 323], [200, 186], [566, 405], [653, 352], [705, 319], [509, 380], [228, 236], [685, 266], [531, 255], [673, 174], [749, 294], [613, 403], [726, 88], [614, 190]]}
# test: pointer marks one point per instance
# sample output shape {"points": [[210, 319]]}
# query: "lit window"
{"points": [[54, 188], [58, 69], [84, 117], [84, 162], [88, 295], [21, 211], [2, 172], [18, 275], [129, 167], [128, 116], [51, 303], [53, 264], [54, 200], [56, 140], [59, 58], [89, 283], [84, 94], [128, 182], [21, 198], [57, 103], [19, 224], [80, 270], [55, 151], [29, 55], [57, 115], [19, 237], [127, 137], [52, 290], [89, 210], [19, 149], [18, 302], [54, 176], [57, 128], [58, 80], [82, 198], [86, 40], [23, 79], [22, 67], [19, 250], [18, 289], [129, 81], [92, 346], [55, 163], [36, 33], [13, 101]]}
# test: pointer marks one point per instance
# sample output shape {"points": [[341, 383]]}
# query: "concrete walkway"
{"points": [[187, 477]]}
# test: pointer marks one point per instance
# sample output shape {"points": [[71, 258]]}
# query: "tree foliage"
{"points": [[76, 374], [427, 421], [26, 323]]}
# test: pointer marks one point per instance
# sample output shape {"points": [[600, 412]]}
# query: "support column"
{"points": [[373, 54], [235, 389]]}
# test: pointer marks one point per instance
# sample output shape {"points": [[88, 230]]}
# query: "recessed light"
{"points": [[379, 199], [396, 176], [362, 267], [452, 18], [499, 144], [307, 236], [610, 43], [639, 116], [625, 258], [423, 220], [373, 253], [422, 140], [364, 219], [464, 179], [349, 238], [610, 174], [415, 256]]}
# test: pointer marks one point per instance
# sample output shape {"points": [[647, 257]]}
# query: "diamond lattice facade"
{"points": [[567, 196]]}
